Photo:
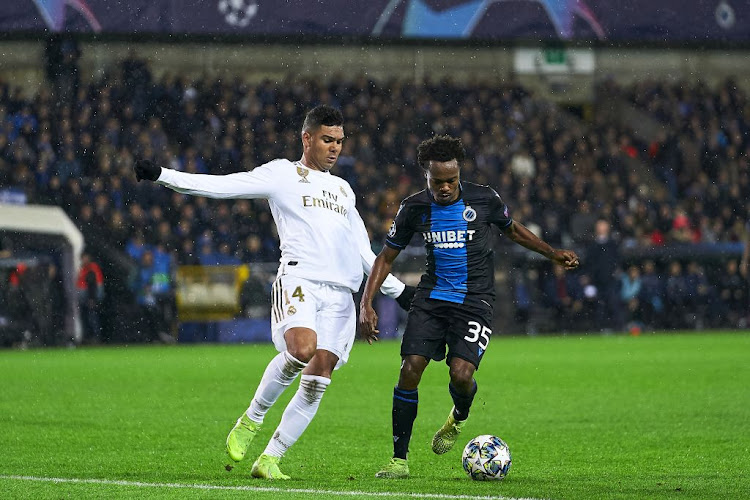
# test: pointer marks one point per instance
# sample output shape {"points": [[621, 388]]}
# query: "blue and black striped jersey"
{"points": [[457, 238]]}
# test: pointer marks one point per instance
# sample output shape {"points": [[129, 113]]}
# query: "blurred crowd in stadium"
{"points": [[595, 185]]}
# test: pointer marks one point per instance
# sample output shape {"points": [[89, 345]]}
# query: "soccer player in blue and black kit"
{"points": [[453, 305]]}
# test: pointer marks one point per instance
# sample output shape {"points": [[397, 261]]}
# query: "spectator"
{"points": [[700, 297], [563, 294], [20, 310], [152, 288], [733, 297], [602, 263], [56, 306], [651, 296], [676, 297], [90, 286], [630, 293], [68, 167]]}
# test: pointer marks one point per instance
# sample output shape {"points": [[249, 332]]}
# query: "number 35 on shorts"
{"points": [[479, 334]]}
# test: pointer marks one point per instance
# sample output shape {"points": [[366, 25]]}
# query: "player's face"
{"points": [[443, 180], [322, 147]]}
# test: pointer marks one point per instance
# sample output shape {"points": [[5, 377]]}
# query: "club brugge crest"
{"points": [[302, 172], [469, 214]]}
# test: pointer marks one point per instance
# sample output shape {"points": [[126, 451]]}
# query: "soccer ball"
{"points": [[486, 458]]}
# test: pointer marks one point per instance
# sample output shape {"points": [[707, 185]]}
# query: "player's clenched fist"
{"points": [[146, 169], [567, 259]]}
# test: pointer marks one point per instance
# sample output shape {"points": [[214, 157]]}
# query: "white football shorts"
{"points": [[327, 309]]}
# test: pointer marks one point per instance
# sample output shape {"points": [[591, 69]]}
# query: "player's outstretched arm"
{"points": [[259, 183], [368, 318], [521, 235]]}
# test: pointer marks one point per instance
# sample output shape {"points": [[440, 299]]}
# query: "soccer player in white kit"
{"points": [[324, 251]]}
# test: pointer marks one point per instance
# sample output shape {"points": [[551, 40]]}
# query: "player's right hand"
{"points": [[146, 169], [368, 323], [567, 259]]}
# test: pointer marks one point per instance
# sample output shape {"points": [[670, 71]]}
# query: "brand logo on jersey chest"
{"points": [[449, 239]]}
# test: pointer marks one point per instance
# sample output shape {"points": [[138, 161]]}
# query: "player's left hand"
{"points": [[368, 323], [567, 259]]}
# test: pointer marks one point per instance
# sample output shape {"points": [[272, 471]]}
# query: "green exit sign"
{"points": [[555, 56]]}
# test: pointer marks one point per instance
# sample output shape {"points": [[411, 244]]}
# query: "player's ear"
{"points": [[306, 138]]}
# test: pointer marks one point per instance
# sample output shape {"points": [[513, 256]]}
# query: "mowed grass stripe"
{"points": [[586, 417], [257, 489]]}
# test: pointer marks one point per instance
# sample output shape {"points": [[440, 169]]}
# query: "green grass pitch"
{"points": [[655, 416]]}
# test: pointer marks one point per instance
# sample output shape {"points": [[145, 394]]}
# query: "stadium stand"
{"points": [[664, 164]]}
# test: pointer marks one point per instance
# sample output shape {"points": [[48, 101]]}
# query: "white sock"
{"points": [[298, 414], [279, 374]]}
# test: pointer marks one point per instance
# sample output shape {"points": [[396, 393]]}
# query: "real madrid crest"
{"points": [[302, 172], [469, 214], [343, 191], [291, 310]]}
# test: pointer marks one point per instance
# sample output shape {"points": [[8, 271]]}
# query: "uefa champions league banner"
{"points": [[505, 20]]}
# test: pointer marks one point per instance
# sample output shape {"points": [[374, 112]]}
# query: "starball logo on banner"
{"points": [[238, 13], [459, 18], [53, 13]]}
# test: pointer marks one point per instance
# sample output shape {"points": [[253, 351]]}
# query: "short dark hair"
{"points": [[440, 148], [323, 115]]}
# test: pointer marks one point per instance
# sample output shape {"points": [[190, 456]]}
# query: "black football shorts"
{"points": [[433, 325]]}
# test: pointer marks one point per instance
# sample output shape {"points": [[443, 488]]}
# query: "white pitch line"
{"points": [[140, 484]]}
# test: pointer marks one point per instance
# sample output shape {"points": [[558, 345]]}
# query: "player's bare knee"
{"points": [[462, 378], [411, 373], [408, 381]]}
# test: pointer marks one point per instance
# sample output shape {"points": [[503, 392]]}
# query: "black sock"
{"points": [[462, 402], [404, 412]]}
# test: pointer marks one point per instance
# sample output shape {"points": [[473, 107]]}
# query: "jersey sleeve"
{"points": [[499, 214], [258, 183], [392, 286], [401, 230]]}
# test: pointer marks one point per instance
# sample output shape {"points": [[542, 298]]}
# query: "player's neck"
{"points": [[312, 166]]}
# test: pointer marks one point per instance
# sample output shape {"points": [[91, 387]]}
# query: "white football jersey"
{"points": [[322, 235]]}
